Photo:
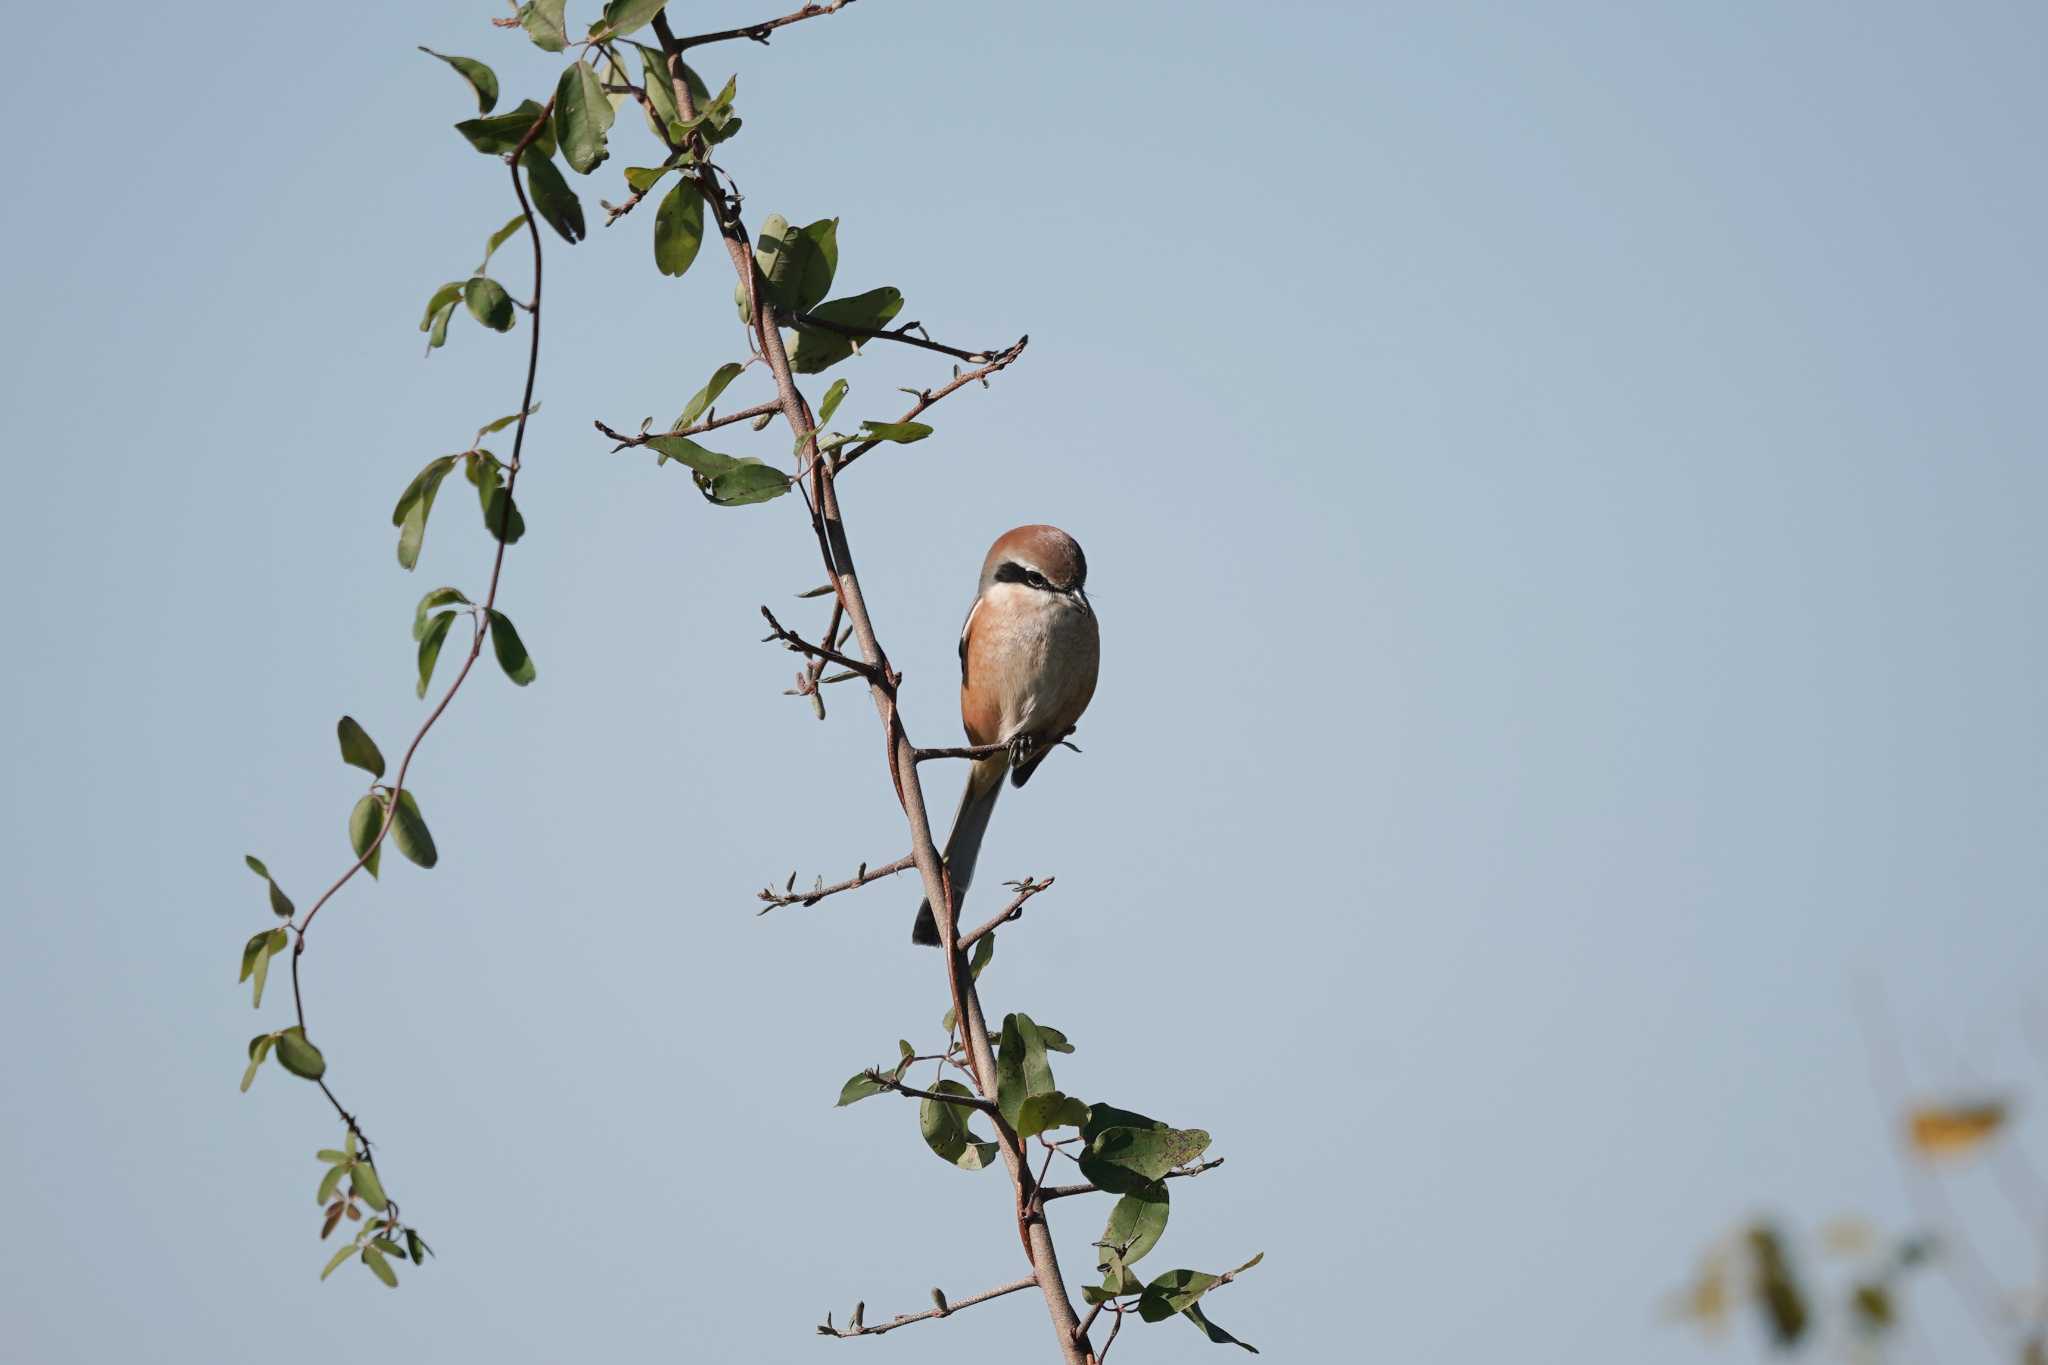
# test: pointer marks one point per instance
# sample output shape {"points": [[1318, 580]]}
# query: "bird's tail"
{"points": [[963, 845]]}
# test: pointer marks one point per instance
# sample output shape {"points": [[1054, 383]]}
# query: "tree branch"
{"points": [[901, 334], [855, 1328], [822, 499], [777, 899], [759, 32], [1064, 1191], [1026, 889], [842, 458]]}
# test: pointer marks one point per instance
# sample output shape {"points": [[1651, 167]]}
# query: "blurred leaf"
{"points": [[582, 117], [833, 396], [641, 179], [259, 1049], [817, 349], [553, 200], [622, 17], [331, 1157], [511, 650], [542, 20], [379, 1266], [903, 433], [946, 1132], [678, 227], [1954, 1130], [339, 1257], [357, 748], [1873, 1304], [1054, 1040], [701, 401], [409, 831], [1848, 1236], [437, 325], [1136, 1223], [430, 647], [500, 133], [298, 1056], [280, 903], [364, 821], [416, 1247], [497, 239], [488, 302], [331, 1181], [363, 1180], [857, 1089], [414, 506], [443, 299], [1123, 1160], [256, 955], [481, 78], [1707, 1299], [1778, 1295], [434, 597]]}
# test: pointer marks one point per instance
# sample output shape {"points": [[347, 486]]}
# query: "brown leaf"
{"points": [[1954, 1130]]}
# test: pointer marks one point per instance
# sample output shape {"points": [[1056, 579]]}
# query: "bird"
{"points": [[1029, 654]]}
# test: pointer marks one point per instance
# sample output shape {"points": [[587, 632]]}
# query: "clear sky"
{"points": [[1562, 489]]}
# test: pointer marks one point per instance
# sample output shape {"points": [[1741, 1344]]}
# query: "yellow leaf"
{"points": [[1954, 1130], [1848, 1236]]}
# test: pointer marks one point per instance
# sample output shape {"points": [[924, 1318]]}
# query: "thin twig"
{"points": [[759, 32], [889, 1082], [1026, 889], [1064, 1191], [798, 644], [900, 334], [777, 899], [858, 1329], [842, 458]]}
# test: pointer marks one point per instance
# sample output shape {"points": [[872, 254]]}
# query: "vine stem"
{"points": [[902, 755], [476, 643]]}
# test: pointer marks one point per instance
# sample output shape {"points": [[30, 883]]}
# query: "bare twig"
{"points": [[759, 32], [900, 334], [1026, 889], [1064, 1191], [849, 454], [777, 899], [802, 646], [889, 1082], [857, 1329]]}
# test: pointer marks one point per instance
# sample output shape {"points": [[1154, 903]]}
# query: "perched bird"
{"points": [[1028, 657]]}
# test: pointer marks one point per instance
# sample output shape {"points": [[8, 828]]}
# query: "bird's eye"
{"points": [[1036, 580]]}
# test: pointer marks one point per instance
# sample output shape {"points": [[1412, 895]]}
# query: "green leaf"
{"points": [[498, 239], [553, 200], [1021, 1068], [662, 96], [480, 77], [701, 401], [542, 20], [1173, 1292], [1103, 1117], [641, 179], [903, 433], [488, 302], [984, 953], [298, 1056], [331, 1181], [499, 134], [583, 115], [438, 335], [817, 349], [414, 506], [416, 1246], [364, 821], [747, 483], [430, 647], [510, 649], [688, 452], [434, 597], [380, 1267], [357, 748], [256, 955], [339, 1257], [859, 1088], [1054, 1040], [331, 1157], [363, 1180], [280, 903], [797, 264], [678, 228], [1043, 1113], [831, 404], [498, 424], [259, 1049], [1124, 1159], [409, 831], [622, 17], [1193, 1313], [946, 1132], [1136, 1223], [444, 298]]}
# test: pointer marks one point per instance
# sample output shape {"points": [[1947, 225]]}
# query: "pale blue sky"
{"points": [[1561, 485]]}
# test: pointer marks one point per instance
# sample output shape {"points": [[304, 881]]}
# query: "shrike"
{"points": [[1028, 658]]}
